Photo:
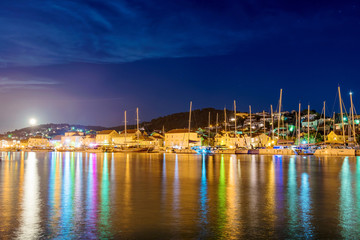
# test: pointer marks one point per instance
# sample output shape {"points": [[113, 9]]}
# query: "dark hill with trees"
{"points": [[199, 119]]}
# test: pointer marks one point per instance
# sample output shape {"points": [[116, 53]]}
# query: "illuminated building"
{"points": [[181, 138], [89, 140], [72, 139], [39, 142], [56, 141], [229, 140], [106, 137], [128, 138], [332, 137]]}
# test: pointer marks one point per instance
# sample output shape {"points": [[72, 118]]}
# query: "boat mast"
{"points": [[209, 131], [217, 120], [279, 120], [324, 123], [264, 121], [352, 117], [308, 125], [225, 118], [341, 112], [235, 116], [250, 122], [299, 130], [137, 124], [189, 123], [296, 124], [125, 126], [272, 122]]}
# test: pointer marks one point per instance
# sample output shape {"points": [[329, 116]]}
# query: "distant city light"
{"points": [[32, 121]]}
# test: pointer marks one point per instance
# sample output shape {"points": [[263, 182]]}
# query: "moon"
{"points": [[32, 121]]}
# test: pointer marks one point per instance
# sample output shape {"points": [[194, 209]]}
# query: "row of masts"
{"points": [[298, 119], [137, 125]]}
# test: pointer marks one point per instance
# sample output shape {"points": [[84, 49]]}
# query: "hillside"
{"points": [[51, 129], [199, 119]]}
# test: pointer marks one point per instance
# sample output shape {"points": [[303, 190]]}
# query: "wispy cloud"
{"points": [[52, 32], [7, 83]]}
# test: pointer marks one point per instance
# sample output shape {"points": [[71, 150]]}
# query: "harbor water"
{"points": [[178, 196]]}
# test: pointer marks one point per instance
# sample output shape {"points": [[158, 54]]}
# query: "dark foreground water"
{"points": [[168, 196]]}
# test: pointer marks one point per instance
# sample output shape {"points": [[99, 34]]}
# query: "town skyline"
{"points": [[132, 120]]}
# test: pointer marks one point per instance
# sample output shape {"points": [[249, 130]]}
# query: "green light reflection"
{"points": [[222, 196], [105, 203], [292, 197]]}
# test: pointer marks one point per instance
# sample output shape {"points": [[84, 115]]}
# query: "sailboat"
{"points": [[225, 150], [137, 147], [282, 149], [306, 149], [187, 150], [337, 150]]}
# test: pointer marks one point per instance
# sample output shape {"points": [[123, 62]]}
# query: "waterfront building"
{"points": [[72, 139], [56, 141], [38, 142], [4, 143], [261, 140], [24, 143], [181, 139], [229, 140], [106, 137], [130, 138], [157, 140], [332, 137], [89, 140]]}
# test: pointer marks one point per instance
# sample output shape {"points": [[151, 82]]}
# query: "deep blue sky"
{"points": [[86, 62]]}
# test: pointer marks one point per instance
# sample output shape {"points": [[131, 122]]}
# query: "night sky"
{"points": [[85, 62]]}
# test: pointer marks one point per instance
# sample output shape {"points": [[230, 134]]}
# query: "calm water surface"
{"points": [[168, 196]]}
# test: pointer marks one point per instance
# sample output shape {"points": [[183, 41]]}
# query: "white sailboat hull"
{"points": [[225, 151], [271, 151], [335, 152], [185, 151]]}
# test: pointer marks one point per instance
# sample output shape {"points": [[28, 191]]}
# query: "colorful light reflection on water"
{"points": [[161, 196]]}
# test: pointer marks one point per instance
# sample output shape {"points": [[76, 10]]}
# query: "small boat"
{"points": [[224, 151], [306, 150], [277, 150], [94, 150], [335, 151], [133, 149], [203, 150], [185, 151], [357, 152], [254, 151], [241, 151]]}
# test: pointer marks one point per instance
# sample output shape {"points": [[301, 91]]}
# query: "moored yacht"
{"points": [[277, 150], [331, 150]]}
